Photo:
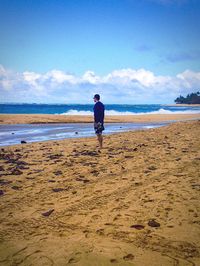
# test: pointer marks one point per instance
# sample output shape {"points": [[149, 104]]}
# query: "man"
{"points": [[98, 119]]}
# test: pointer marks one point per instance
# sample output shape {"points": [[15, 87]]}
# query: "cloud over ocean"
{"points": [[131, 86]]}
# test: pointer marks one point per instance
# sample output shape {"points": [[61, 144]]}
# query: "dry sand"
{"points": [[41, 118], [135, 203]]}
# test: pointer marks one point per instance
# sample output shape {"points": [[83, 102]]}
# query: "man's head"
{"points": [[96, 98]]}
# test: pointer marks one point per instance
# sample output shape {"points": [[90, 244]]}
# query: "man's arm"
{"points": [[96, 113]]}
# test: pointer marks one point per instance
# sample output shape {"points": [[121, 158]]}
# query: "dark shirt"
{"points": [[99, 112]]}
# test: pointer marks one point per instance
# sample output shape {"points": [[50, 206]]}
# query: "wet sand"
{"points": [[135, 203], [41, 118], [14, 134]]}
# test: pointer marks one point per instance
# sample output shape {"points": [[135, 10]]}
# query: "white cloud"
{"points": [[128, 76], [119, 86], [58, 76], [90, 77], [31, 78]]}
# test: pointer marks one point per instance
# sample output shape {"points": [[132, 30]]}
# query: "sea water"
{"points": [[13, 134], [87, 109]]}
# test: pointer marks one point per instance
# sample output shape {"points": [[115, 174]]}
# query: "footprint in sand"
{"points": [[95, 217], [100, 231], [75, 258]]}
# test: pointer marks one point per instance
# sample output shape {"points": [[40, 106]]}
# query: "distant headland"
{"points": [[193, 98]]}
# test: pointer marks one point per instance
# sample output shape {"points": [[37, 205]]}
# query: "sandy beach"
{"points": [[42, 118], [134, 203]]}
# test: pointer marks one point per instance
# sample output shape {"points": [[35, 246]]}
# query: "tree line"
{"points": [[192, 98]]}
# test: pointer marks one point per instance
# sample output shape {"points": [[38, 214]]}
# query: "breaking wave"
{"points": [[113, 112]]}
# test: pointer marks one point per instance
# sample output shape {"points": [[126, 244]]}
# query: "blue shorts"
{"points": [[98, 128]]}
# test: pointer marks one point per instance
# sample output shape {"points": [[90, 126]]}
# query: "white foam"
{"points": [[113, 112], [76, 112]]}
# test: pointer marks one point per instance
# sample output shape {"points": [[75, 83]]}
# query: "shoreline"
{"points": [[48, 119], [63, 202], [13, 134], [184, 104]]}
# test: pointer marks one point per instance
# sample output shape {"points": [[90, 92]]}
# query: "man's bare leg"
{"points": [[100, 139]]}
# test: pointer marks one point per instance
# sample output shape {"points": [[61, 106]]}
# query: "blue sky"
{"points": [[76, 36]]}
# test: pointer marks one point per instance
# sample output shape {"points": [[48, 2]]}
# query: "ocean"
{"points": [[87, 109]]}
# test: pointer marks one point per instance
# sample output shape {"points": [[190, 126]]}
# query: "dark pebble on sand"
{"points": [[137, 226], [90, 153], [22, 167], [141, 145], [58, 172], [10, 160], [94, 172], [138, 183], [129, 257], [46, 214], [55, 156], [86, 181], [16, 172], [57, 189], [1, 168], [15, 187], [79, 179], [23, 142], [21, 163], [1, 192], [113, 260], [152, 168], [38, 170], [153, 223]]}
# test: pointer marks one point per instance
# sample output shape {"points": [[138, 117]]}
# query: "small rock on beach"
{"points": [[47, 213], [153, 223]]}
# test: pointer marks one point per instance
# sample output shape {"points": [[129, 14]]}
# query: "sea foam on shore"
{"points": [[118, 113]]}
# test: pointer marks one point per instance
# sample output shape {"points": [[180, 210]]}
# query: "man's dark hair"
{"points": [[97, 96]]}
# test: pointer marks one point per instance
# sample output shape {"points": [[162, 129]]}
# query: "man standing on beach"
{"points": [[98, 119]]}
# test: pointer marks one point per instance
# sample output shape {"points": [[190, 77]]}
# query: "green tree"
{"points": [[193, 98]]}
